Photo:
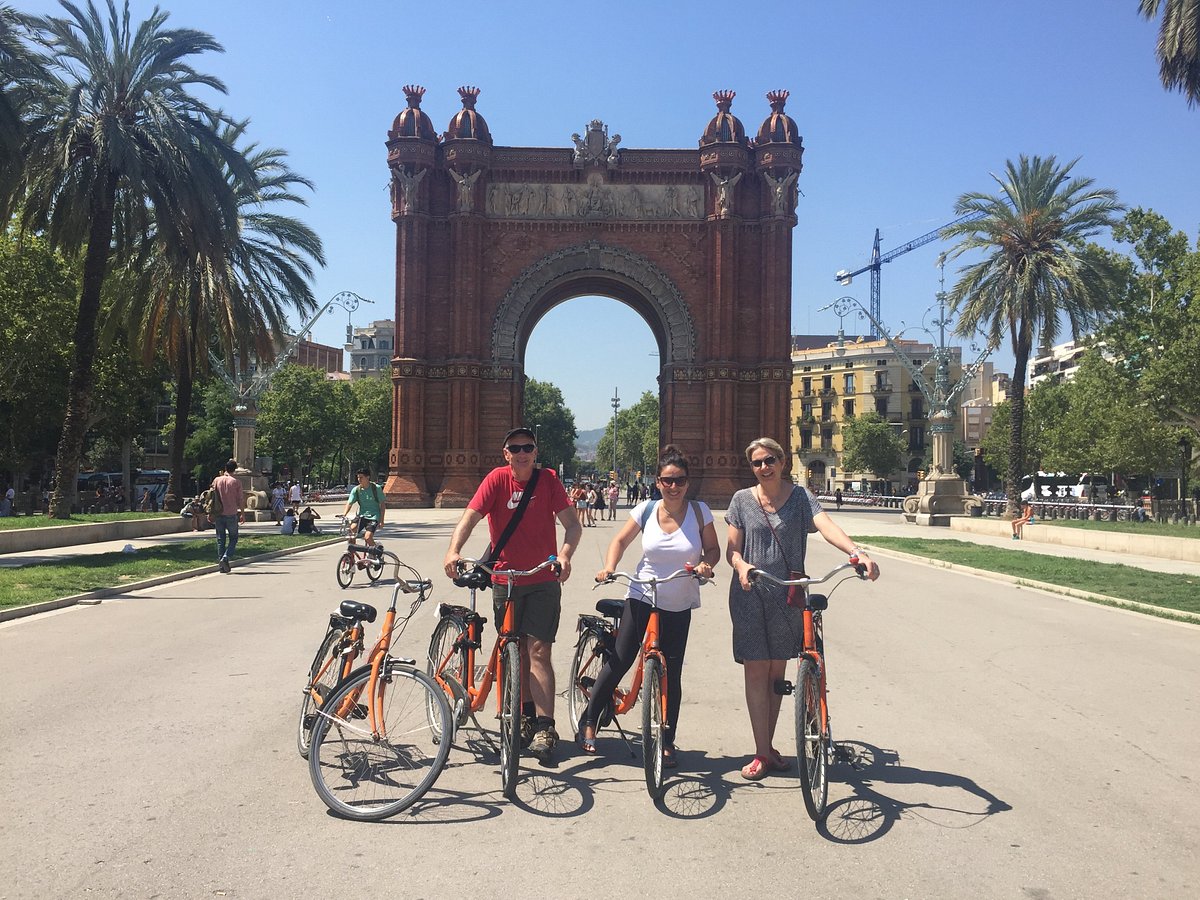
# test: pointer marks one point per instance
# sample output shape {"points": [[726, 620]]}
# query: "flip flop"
{"points": [[756, 769], [778, 762]]}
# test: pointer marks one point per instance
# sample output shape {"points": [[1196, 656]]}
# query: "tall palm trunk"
{"points": [[184, 388], [83, 375], [1016, 441]]}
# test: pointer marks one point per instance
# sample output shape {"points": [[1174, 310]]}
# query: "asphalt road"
{"points": [[1008, 743]]}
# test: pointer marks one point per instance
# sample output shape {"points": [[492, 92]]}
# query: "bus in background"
{"points": [[1050, 486], [152, 481]]}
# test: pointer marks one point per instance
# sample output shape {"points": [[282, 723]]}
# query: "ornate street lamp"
{"points": [[941, 493]]}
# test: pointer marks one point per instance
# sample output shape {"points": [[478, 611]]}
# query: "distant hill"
{"points": [[586, 441]]}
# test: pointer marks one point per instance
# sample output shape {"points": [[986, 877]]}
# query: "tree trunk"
{"points": [[126, 475], [1016, 443], [184, 387], [83, 375]]}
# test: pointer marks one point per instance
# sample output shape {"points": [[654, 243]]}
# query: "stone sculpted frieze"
{"points": [[511, 200]]}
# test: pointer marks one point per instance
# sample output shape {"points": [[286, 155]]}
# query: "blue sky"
{"points": [[903, 107]]}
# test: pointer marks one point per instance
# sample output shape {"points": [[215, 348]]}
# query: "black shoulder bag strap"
{"points": [[515, 520]]}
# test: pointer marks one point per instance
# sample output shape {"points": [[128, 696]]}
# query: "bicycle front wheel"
{"points": [[653, 726], [369, 775], [812, 740], [324, 675], [345, 569], [510, 718], [449, 665], [374, 569], [585, 672]]}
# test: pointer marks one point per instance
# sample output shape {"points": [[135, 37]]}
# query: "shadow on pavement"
{"points": [[869, 814]]}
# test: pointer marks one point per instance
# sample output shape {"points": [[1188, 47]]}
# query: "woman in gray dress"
{"points": [[769, 526]]}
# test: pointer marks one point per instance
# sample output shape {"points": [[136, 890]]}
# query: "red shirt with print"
{"points": [[536, 536]]}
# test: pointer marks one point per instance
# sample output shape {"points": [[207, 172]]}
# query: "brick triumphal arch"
{"points": [[489, 239]]}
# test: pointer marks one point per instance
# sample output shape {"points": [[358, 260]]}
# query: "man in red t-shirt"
{"points": [[537, 600]]}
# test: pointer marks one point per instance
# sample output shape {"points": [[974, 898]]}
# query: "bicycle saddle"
{"points": [[613, 608], [358, 611]]}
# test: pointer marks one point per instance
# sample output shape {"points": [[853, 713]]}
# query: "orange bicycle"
{"points": [[370, 760], [814, 740], [597, 639], [451, 664]]}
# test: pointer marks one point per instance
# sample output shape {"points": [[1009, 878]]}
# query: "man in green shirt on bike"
{"points": [[371, 505]]}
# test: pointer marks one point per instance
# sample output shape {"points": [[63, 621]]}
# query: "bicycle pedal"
{"points": [[783, 687], [587, 682], [359, 711], [309, 720]]}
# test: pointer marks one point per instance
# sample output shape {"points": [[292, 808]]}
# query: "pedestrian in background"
{"points": [[233, 506]]}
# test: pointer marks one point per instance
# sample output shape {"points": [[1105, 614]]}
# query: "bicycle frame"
{"points": [[471, 641], [379, 652]]}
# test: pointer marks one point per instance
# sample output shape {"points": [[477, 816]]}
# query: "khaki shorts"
{"points": [[537, 608]]}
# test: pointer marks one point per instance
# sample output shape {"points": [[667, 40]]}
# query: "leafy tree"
{"points": [[235, 293], [547, 414], [1155, 334], [1103, 427], [638, 442], [37, 304], [1045, 405], [1037, 267], [19, 69], [869, 444], [111, 133], [210, 443], [1178, 48], [299, 418], [369, 436]]}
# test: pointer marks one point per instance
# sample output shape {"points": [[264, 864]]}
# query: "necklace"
{"points": [[769, 503]]}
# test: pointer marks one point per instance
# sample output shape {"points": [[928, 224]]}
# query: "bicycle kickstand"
{"points": [[487, 737], [624, 736]]}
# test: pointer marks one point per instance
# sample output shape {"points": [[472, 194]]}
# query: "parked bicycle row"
{"points": [[377, 735]]}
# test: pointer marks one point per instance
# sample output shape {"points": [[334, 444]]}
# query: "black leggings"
{"points": [[672, 639]]}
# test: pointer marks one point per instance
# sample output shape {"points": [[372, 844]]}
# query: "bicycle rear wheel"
{"points": [[447, 633], [324, 675], [585, 671], [345, 569], [365, 776], [653, 727], [510, 718], [812, 740]]}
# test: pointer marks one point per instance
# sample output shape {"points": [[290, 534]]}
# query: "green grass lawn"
{"points": [[77, 575], [1150, 528], [17, 522], [1166, 591]]}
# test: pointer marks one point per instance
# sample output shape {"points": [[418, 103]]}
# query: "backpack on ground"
{"points": [[212, 502]]}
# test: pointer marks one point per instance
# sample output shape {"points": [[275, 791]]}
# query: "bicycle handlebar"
{"points": [[465, 563], [686, 571], [860, 572]]}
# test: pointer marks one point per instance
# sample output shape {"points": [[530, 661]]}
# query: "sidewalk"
{"points": [[327, 512]]}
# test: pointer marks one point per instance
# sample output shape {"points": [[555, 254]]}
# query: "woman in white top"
{"points": [[672, 537]]}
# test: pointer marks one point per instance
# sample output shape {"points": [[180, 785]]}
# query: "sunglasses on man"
{"points": [[521, 448]]}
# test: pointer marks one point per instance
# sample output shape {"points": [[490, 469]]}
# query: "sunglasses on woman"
{"points": [[765, 461], [669, 481]]}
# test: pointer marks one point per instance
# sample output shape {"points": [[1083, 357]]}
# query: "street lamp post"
{"points": [[942, 492], [247, 389], [616, 405]]}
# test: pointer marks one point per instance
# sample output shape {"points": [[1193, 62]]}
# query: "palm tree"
{"points": [[113, 134], [1037, 268], [17, 70], [233, 295], [1178, 48]]}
